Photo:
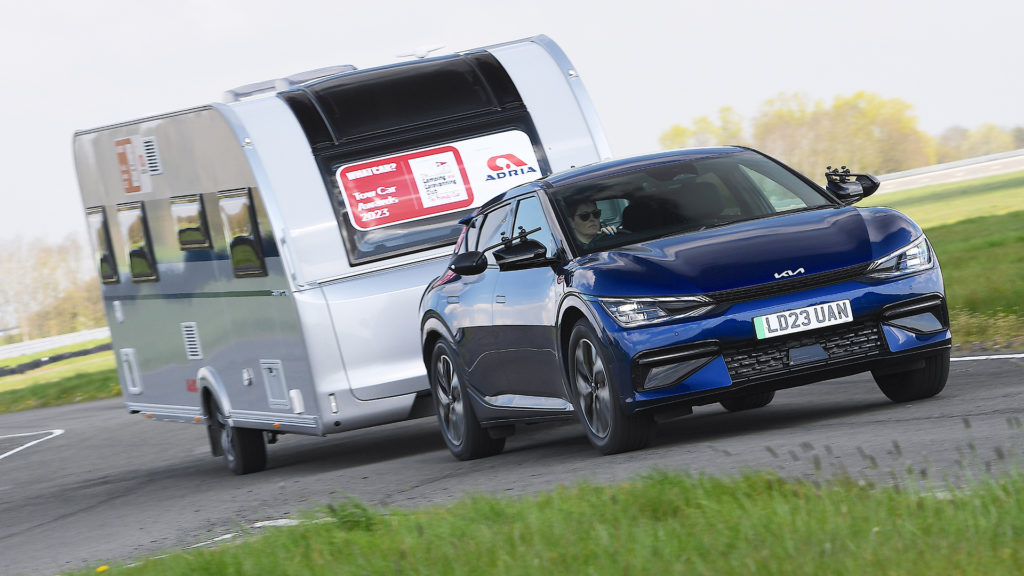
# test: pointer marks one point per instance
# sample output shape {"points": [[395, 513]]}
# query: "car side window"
{"points": [[529, 216], [773, 187], [493, 228]]}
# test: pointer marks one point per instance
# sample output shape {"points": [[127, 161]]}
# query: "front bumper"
{"points": [[895, 324]]}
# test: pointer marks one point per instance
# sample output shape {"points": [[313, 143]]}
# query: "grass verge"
{"points": [[16, 360], [662, 523], [71, 389], [65, 369], [947, 203], [983, 268]]}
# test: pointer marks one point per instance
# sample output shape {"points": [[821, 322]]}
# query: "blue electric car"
{"points": [[629, 291]]}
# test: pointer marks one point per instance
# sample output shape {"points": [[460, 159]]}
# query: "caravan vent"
{"points": [[190, 332], [152, 155]]}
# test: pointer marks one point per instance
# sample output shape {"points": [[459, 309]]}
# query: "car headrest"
{"points": [[701, 201], [640, 216]]}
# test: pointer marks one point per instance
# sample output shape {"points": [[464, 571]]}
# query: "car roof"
{"points": [[632, 163], [609, 168]]}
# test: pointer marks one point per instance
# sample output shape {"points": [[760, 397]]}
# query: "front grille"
{"points": [[789, 285], [771, 356]]}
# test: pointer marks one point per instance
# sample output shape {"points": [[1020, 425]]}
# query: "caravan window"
{"points": [[190, 222], [135, 233], [241, 233], [99, 233]]}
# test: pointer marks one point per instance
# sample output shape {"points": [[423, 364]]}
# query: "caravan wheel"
{"points": [[243, 448]]}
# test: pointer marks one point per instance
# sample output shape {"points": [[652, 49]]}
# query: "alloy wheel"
{"points": [[449, 395], [592, 387]]}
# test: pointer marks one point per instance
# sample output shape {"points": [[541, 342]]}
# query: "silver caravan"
{"points": [[262, 259]]}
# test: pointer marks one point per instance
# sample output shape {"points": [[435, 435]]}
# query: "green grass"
{"points": [[940, 204], [17, 360], [982, 262], [58, 371], [81, 387], [662, 523]]}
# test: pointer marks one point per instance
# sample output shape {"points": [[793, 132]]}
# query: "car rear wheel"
{"points": [[749, 402], [244, 450], [918, 383], [462, 432], [596, 396]]}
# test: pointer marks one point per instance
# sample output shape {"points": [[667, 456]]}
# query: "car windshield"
{"points": [[679, 198]]}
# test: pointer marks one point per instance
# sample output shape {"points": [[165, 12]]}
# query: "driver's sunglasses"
{"points": [[584, 216]]}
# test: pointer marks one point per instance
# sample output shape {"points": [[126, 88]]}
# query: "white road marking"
{"points": [[992, 357], [53, 434]]}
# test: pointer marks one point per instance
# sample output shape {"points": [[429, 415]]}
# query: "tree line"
{"points": [[48, 289], [864, 131]]}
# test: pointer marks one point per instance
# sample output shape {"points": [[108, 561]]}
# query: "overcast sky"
{"points": [[71, 65]]}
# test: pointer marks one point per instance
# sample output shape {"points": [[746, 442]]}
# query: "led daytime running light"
{"points": [[915, 257], [635, 311]]}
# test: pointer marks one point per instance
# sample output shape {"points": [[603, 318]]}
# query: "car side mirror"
{"points": [[525, 253], [468, 263], [850, 188]]}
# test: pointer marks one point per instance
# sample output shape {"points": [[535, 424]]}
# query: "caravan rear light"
{"points": [[334, 403]]}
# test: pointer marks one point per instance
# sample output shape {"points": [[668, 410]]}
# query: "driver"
{"points": [[586, 222]]}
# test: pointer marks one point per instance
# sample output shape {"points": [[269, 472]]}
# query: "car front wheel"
{"points": [[462, 432], [917, 383], [595, 395]]}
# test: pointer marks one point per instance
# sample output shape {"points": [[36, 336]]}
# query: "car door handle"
{"points": [[499, 299]]}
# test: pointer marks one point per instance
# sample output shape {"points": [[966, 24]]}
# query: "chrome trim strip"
{"points": [[528, 402], [901, 310], [165, 410], [690, 354], [270, 418]]}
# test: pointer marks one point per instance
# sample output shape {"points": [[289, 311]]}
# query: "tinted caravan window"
{"points": [[190, 222], [103, 254], [241, 233], [135, 232]]}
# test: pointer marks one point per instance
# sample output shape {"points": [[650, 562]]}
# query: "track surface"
{"points": [[114, 486]]}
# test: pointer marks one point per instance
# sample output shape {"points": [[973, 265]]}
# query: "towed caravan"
{"points": [[262, 259]]}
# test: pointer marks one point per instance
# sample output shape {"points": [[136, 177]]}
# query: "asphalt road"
{"points": [[114, 486]]}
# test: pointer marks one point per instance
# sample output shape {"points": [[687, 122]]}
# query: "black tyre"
{"points": [[244, 449], [462, 432], [596, 397], [922, 382], [749, 402]]}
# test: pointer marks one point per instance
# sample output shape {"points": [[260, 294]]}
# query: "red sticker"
{"points": [[405, 187]]}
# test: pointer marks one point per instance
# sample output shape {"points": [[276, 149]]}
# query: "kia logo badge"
{"points": [[789, 273]]}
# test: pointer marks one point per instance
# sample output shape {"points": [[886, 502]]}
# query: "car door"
{"points": [[525, 362], [469, 300]]}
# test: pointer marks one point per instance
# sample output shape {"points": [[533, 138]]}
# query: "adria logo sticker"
{"points": [[504, 162], [507, 165]]}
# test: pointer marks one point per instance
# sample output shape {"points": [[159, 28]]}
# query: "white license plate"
{"points": [[801, 319]]}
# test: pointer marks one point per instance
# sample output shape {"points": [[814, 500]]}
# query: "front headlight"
{"points": [[915, 257], [638, 311]]}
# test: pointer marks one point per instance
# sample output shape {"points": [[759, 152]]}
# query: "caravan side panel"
{"points": [[189, 297]]}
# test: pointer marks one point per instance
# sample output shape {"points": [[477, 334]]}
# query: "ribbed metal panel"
{"points": [[152, 155], [193, 347]]}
